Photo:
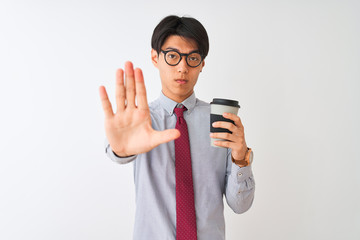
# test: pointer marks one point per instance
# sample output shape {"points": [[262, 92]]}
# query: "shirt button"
{"points": [[239, 174]]}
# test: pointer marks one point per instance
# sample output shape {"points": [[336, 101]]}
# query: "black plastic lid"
{"points": [[226, 102]]}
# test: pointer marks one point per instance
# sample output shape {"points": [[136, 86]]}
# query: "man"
{"points": [[168, 207]]}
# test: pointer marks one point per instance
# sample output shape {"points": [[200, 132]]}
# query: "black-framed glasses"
{"points": [[173, 57]]}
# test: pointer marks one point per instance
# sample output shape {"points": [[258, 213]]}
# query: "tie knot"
{"points": [[180, 111]]}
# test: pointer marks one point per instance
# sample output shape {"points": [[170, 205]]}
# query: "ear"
{"points": [[154, 57], [202, 65]]}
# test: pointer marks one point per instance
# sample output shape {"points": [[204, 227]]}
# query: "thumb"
{"points": [[165, 136]]}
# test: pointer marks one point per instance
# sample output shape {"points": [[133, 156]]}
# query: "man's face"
{"points": [[177, 81]]}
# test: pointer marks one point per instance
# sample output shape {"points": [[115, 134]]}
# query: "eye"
{"points": [[172, 55], [192, 58]]}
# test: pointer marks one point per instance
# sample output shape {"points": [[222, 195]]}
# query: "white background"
{"points": [[294, 66]]}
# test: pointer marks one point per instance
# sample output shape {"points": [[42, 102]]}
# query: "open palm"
{"points": [[129, 130]]}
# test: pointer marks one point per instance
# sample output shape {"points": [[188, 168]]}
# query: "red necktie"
{"points": [[185, 205]]}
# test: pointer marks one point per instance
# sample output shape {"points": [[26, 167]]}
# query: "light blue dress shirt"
{"points": [[214, 175]]}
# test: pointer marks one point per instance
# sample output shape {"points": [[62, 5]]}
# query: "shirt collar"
{"points": [[169, 104]]}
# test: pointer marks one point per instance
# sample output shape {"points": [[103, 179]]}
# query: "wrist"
{"points": [[246, 161], [120, 155]]}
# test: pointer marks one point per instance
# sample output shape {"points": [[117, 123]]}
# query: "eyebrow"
{"points": [[172, 48]]}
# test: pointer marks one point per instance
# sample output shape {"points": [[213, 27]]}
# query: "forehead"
{"points": [[180, 43]]}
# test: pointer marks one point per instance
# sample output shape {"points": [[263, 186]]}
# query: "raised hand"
{"points": [[129, 130]]}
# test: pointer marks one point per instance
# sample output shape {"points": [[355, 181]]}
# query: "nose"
{"points": [[182, 66]]}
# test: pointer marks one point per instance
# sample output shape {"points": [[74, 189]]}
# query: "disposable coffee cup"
{"points": [[218, 107]]}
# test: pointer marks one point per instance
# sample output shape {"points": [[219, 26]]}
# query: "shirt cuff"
{"points": [[240, 174], [116, 158]]}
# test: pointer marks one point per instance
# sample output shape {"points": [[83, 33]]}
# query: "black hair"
{"points": [[186, 27]]}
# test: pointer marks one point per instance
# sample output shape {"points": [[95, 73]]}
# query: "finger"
{"points": [[120, 90], [235, 118], [223, 135], [130, 85], [225, 144], [227, 125], [106, 105], [140, 90], [165, 136]]}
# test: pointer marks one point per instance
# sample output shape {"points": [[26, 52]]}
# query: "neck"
{"points": [[178, 99]]}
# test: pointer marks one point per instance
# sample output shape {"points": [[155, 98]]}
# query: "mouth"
{"points": [[181, 81]]}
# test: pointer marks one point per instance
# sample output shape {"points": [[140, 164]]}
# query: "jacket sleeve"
{"points": [[121, 160], [239, 186]]}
